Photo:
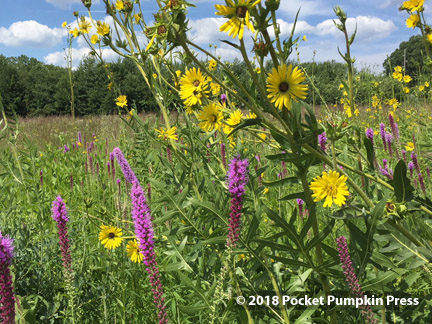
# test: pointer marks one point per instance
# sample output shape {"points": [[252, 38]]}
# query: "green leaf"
{"points": [[370, 152], [246, 123], [321, 236], [300, 195], [401, 183], [281, 182]]}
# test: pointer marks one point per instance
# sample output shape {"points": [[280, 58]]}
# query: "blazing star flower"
{"points": [[7, 308], [237, 180], [284, 85], [124, 165], [351, 278], [59, 214], [332, 187], [322, 140]]}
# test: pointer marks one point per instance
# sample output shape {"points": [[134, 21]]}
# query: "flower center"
{"points": [[241, 11], [111, 235], [331, 189], [213, 118], [196, 83], [283, 87]]}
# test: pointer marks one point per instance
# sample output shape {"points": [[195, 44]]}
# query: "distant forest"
{"points": [[31, 88]]}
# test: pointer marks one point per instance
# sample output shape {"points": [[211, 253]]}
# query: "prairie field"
{"points": [[218, 192]]}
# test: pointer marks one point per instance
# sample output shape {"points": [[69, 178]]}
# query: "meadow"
{"points": [[235, 202]]}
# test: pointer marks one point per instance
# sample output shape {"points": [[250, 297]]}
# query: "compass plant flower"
{"points": [[167, 134], [238, 13], [193, 87], [285, 84], [211, 117], [331, 186]]}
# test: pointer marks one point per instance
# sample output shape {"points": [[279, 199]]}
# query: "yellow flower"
{"points": [[398, 68], [258, 70], [211, 117], [130, 114], [341, 86], [345, 94], [426, 84], [215, 88], [212, 65], [251, 115], [393, 102], [151, 42], [233, 120], [94, 39], [407, 79], [266, 190], [154, 75], [134, 252], [121, 101], [406, 89], [167, 134], [178, 73], [263, 136], [110, 236], [119, 5], [110, 86], [84, 26], [397, 76], [64, 24], [304, 38], [421, 88], [238, 14], [102, 28], [332, 187], [356, 112], [412, 21], [193, 86], [74, 32], [409, 147], [429, 38], [137, 18], [413, 5], [284, 84]]}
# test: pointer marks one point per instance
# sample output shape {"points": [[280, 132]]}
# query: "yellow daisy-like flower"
{"points": [[212, 65], [84, 26], [119, 5], [134, 252], [167, 134], [331, 186], [398, 68], [407, 79], [238, 14], [137, 18], [233, 120], [426, 84], [94, 39], [154, 75], [409, 147], [397, 76], [102, 28], [284, 84], [251, 115], [121, 101], [421, 88], [110, 236], [64, 24], [406, 90], [412, 21], [75, 32], [429, 38], [193, 86], [211, 117], [413, 5], [215, 88]]}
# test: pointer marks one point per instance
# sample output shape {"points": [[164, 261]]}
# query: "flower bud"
{"points": [[340, 13], [272, 4], [87, 3]]}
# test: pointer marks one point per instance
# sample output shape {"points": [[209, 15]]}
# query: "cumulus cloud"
{"points": [[368, 28], [78, 54], [30, 33]]}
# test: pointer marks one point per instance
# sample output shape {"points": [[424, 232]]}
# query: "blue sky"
{"points": [[33, 28]]}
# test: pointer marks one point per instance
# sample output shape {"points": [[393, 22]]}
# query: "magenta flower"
{"points": [[237, 180], [7, 308], [383, 135], [415, 162], [59, 214], [145, 235], [394, 127], [322, 140], [124, 165], [370, 134], [223, 98], [351, 278], [411, 168], [223, 154]]}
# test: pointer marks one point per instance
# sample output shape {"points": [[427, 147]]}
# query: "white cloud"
{"points": [[78, 54], [30, 33], [206, 30], [368, 28]]}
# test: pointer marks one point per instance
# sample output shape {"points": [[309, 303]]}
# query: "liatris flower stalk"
{"points": [[237, 180], [383, 135], [223, 154], [422, 183], [404, 155], [41, 178], [370, 135], [300, 204], [59, 214], [351, 278], [389, 140], [415, 162], [71, 182], [169, 154], [395, 131], [322, 140], [223, 98], [7, 308], [428, 172], [127, 170], [144, 233], [66, 148], [80, 138], [411, 168], [112, 164]]}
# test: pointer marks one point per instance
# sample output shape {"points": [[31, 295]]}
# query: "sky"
{"points": [[33, 28]]}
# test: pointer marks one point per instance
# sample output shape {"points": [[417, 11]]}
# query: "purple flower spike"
{"points": [[66, 148], [415, 162], [383, 135], [59, 214], [144, 233], [411, 168], [127, 170], [223, 154], [351, 278], [7, 308], [322, 140], [370, 134], [404, 155], [223, 98], [237, 180], [394, 127]]}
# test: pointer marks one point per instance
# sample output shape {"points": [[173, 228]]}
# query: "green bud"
{"points": [[272, 4], [340, 13], [87, 3]]}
